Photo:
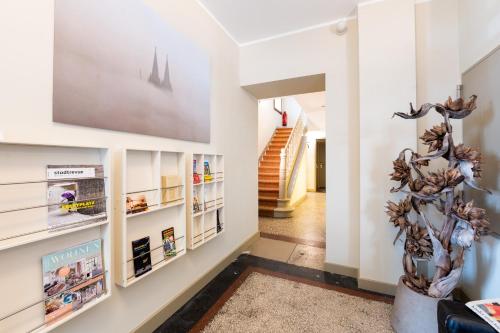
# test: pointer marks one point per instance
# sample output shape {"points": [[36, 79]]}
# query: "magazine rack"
{"points": [[139, 173], [25, 237], [205, 202]]}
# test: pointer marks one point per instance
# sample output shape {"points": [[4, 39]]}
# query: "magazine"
{"points": [[71, 278], [171, 188], [196, 201], [75, 195], [196, 176], [168, 238], [136, 204], [208, 174], [142, 256], [219, 224], [489, 310]]}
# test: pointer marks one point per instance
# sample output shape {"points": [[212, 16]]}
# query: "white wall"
{"points": [[386, 45], [438, 71], [314, 52], [479, 30], [26, 36], [269, 119], [482, 269], [300, 188]]}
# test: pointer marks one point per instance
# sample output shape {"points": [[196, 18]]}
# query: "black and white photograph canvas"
{"points": [[119, 66]]}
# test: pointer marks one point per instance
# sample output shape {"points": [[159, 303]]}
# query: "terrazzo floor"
{"points": [[298, 240], [312, 297], [265, 303], [307, 222]]}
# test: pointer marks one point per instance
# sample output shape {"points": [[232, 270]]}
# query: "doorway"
{"points": [[320, 165]]}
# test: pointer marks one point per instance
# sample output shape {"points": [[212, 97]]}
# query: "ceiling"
{"points": [[253, 20], [313, 105]]}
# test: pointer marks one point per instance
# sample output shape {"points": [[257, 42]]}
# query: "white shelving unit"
{"points": [[139, 173], [205, 220], [25, 237]]}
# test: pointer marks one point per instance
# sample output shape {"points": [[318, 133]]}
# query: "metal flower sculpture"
{"points": [[462, 223]]}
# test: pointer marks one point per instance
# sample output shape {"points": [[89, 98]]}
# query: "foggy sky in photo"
{"points": [[103, 59]]}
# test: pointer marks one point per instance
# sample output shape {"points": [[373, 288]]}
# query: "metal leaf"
{"points": [[466, 169], [415, 114]]}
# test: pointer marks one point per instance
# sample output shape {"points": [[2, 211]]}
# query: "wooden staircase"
{"points": [[269, 172]]}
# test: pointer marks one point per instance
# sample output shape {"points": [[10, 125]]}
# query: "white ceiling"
{"points": [[313, 105], [252, 20]]}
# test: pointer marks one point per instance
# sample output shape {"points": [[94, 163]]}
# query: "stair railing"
{"points": [[289, 154]]}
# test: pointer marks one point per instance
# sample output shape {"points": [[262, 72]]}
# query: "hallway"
{"points": [[306, 226], [298, 240]]}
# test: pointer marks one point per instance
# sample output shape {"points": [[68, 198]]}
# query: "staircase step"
{"points": [[275, 164], [268, 176], [269, 193], [267, 198], [269, 182], [268, 187], [269, 203], [284, 129], [266, 208], [269, 169], [265, 212], [271, 157]]}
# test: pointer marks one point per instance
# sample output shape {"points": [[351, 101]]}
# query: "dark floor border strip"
{"points": [[214, 309], [309, 242]]}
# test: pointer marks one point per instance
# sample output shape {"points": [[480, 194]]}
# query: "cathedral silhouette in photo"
{"points": [[154, 77]]}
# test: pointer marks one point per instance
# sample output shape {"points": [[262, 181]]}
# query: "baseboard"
{"points": [[379, 287], [155, 320], [342, 270]]}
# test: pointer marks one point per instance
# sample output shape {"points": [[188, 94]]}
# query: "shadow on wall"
{"points": [[481, 130]]}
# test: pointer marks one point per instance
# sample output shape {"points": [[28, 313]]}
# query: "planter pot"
{"points": [[414, 312]]}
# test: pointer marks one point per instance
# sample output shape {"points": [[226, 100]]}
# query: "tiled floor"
{"points": [[299, 240], [292, 253], [307, 222]]}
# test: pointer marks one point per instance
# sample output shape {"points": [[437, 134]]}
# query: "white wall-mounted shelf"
{"points": [[140, 173], [25, 236], [207, 222]]}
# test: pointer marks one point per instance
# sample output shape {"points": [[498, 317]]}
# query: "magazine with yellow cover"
{"points": [[75, 195]]}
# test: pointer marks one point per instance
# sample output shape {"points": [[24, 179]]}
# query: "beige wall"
{"points": [[437, 61], [481, 130], [300, 188], [26, 36], [479, 30], [314, 52], [387, 83]]}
